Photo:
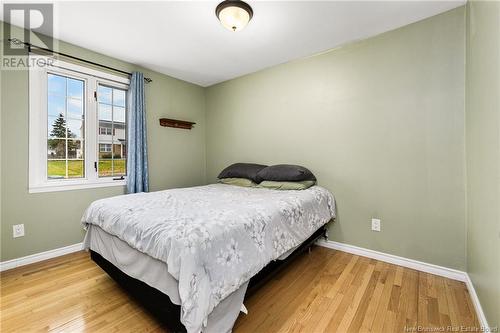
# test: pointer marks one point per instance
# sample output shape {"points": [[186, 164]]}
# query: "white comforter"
{"points": [[213, 238]]}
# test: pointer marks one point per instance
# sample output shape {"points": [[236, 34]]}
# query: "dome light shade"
{"points": [[234, 15]]}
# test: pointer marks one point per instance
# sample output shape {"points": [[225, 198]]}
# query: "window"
{"points": [[111, 115], [105, 131], [78, 128], [104, 148]]}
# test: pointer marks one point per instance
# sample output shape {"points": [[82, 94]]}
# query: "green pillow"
{"points": [[305, 184], [238, 182]]}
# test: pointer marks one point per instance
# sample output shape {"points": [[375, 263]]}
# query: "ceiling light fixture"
{"points": [[234, 15]]}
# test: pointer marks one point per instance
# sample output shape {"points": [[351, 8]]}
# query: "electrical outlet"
{"points": [[375, 224], [18, 230]]}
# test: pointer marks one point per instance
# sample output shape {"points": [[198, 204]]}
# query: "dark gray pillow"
{"points": [[242, 170], [285, 173]]}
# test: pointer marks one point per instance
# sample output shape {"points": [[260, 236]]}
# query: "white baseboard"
{"points": [[396, 260], [417, 265], [9, 264], [477, 305]]}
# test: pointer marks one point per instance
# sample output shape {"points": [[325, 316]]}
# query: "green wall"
{"points": [[381, 124], [483, 154], [52, 220]]}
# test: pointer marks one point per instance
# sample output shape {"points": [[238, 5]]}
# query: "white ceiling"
{"points": [[183, 39]]}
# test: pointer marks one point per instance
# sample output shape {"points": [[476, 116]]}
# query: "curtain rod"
{"points": [[30, 46]]}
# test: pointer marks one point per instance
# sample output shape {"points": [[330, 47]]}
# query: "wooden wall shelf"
{"points": [[166, 122]]}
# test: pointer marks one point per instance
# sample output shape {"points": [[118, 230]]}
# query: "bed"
{"points": [[202, 246]]}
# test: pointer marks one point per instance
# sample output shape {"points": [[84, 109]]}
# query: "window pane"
{"points": [[75, 88], [105, 112], [56, 148], [65, 157], [105, 128], [105, 167], [119, 132], [75, 109], [56, 127], [112, 131], [119, 114], [76, 128], [105, 150], [117, 151], [119, 167], [104, 94], [119, 97], [76, 169], [75, 149], [56, 105], [57, 84], [56, 169], [119, 159]]}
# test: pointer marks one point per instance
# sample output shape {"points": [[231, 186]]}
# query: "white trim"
{"points": [[75, 186], [477, 305], [396, 260], [99, 74], [9, 264], [417, 265]]}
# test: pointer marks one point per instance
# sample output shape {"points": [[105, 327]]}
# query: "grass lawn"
{"points": [[106, 170], [57, 169]]}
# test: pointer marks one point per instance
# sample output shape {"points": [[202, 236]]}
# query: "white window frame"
{"points": [[38, 180]]}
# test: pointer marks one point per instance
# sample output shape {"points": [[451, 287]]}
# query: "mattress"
{"points": [[212, 239]]}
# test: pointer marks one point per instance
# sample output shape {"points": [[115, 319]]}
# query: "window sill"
{"points": [[72, 186]]}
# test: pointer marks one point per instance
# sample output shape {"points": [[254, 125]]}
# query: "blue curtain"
{"points": [[137, 158]]}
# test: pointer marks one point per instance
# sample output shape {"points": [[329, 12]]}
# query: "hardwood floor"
{"points": [[324, 291]]}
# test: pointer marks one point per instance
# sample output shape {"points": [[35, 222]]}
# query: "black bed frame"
{"points": [[168, 313]]}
